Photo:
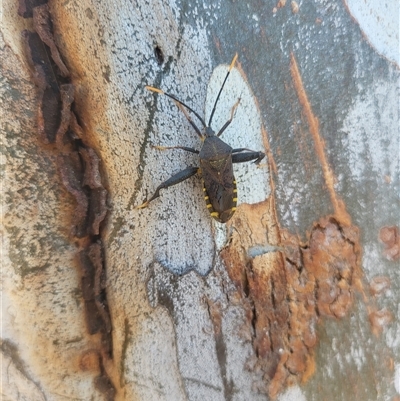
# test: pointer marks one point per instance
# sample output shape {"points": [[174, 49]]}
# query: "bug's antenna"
{"points": [[152, 89], [182, 109], [222, 87]]}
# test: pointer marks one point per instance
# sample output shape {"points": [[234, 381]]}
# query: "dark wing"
{"points": [[220, 187]]}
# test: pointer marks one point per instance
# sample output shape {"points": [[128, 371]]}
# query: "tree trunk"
{"points": [[295, 297]]}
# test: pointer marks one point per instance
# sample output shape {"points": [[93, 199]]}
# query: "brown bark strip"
{"points": [[25, 8], [94, 294], [49, 111], [43, 27], [92, 179], [338, 205], [70, 169], [67, 97], [92, 360], [79, 167]]}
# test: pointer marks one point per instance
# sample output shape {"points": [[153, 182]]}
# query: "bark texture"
{"points": [[295, 298]]}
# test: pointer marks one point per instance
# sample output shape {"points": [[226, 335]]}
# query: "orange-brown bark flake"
{"points": [[290, 287], [379, 319], [391, 239], [378, 285]]}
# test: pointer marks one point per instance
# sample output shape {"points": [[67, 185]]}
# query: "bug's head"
{"points": [[208, 132]]}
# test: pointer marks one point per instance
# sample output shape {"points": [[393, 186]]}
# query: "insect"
{"points": [[216, 160]]}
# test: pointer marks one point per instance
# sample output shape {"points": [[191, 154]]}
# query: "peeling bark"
{"points": [[80, 172], [295, 298]]}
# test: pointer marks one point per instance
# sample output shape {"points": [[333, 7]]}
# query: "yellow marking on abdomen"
{"points": [[209, 205]]}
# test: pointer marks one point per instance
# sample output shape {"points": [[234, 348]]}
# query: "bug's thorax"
{"points": [[214, 149]]}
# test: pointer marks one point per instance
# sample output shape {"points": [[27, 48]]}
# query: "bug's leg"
{"points": [[176, 147], [175, 179], [181, 106], [230, 120], [240, 150], [246, 156]]}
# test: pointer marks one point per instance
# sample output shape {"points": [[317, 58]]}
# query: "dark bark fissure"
{"points": [[80, 170]]}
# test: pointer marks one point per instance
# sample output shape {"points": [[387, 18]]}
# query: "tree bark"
{"points": [[295, 298]]}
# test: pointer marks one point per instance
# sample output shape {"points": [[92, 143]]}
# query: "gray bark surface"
{"points": [[296, 298]]}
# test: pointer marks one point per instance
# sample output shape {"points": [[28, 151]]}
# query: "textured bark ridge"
{"points": [[288, 287], [80, 170]]}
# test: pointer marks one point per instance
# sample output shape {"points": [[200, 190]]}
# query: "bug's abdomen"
{"points": [[223, 202]]}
